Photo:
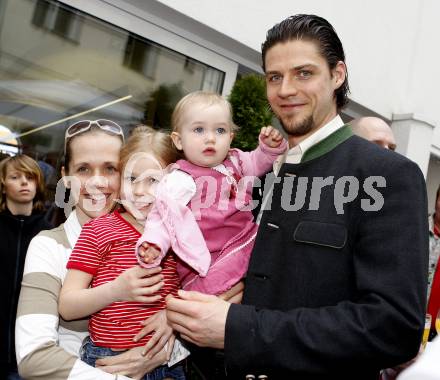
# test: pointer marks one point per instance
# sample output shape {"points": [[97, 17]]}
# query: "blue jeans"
{"points": [[13, 376], [90, 353]]}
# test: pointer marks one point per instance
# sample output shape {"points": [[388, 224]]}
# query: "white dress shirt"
{"points": [[294, 154]]}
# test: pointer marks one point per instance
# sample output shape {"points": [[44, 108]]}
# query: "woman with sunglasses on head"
{"points": [[47, 347], [103, 258], [21, 218]]}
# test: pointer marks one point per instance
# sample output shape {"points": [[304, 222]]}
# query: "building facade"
{"points": [[131, 60]]}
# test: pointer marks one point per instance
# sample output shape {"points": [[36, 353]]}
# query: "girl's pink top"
{"points": [[211, 227]]}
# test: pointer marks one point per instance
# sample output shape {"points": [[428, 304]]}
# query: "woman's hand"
{"points": [[137, 284], [131, 363], [235, 294], [162, 333]]}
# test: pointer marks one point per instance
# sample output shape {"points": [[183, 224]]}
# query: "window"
{"points": [[190, 65], [57, 19], [212, 80], [107, 73], [141, 56]]}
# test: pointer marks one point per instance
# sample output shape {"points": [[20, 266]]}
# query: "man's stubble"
{"points": [[297, 129]]}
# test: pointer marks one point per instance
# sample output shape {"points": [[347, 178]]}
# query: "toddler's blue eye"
{"points": [[221, 131], [198, 130]]}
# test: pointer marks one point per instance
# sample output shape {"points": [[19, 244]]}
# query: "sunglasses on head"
{"points": [[84, 125]]}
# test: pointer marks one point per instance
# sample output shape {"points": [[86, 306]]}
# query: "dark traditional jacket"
{"points": [[16, 232], [336, 286]]}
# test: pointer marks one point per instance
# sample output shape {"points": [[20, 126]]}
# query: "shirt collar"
{"points": [[72, 228], [294, 155]]}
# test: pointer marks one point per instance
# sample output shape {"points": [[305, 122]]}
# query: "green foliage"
{"points": [[251, 110]]}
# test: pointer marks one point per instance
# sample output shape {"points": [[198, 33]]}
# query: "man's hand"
{"points": [[199, 318], [271, 136], [137, 284], [235, 294], [148, 253], [131, 363], [392, 373]]}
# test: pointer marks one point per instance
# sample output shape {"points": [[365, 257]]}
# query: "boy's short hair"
{"points": [[29, 166]]}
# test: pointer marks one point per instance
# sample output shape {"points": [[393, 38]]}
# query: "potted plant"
{"points": [[251, 110]]}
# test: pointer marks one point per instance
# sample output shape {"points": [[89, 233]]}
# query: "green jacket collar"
{"points": [[328, 144]]}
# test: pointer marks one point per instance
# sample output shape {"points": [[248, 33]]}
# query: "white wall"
{"points": [[392, 52], [391, 46]]}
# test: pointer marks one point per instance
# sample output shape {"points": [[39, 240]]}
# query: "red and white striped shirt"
{"points": [[105, 249]]}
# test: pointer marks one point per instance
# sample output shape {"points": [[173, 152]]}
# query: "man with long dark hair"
{"points": [[336, 285]]}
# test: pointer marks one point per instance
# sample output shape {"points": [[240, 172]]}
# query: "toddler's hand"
{"points": [[148, 253], [271, 136]]}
